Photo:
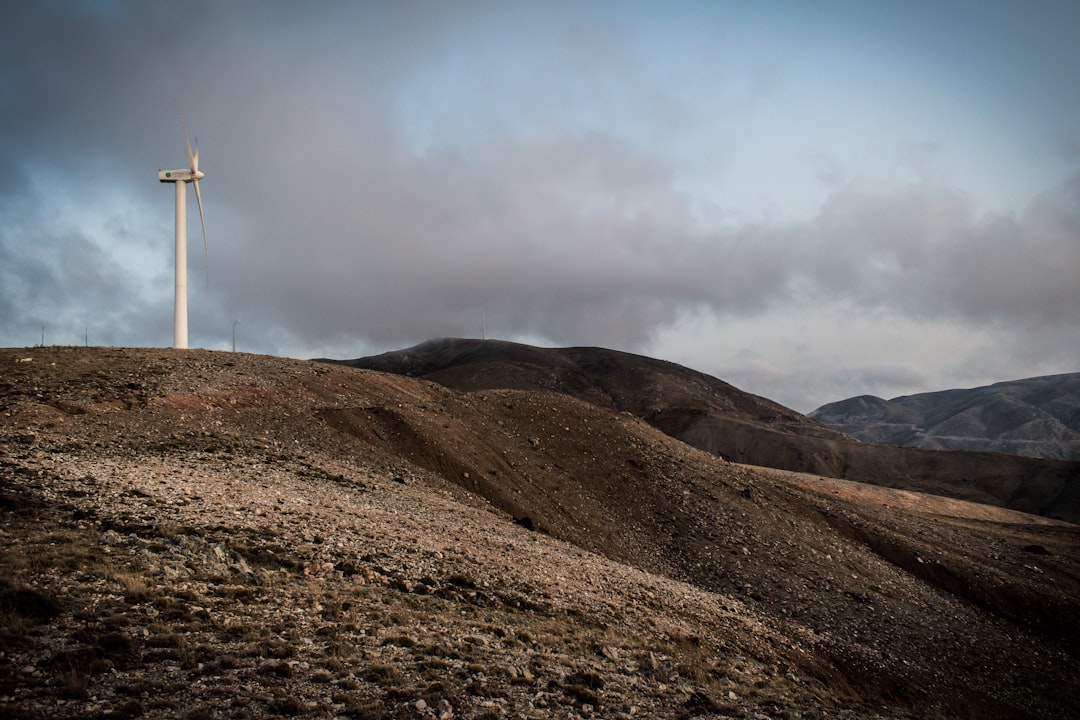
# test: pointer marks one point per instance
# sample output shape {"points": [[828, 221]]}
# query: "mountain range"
{"points": [[714, 416], [1037, 417]]}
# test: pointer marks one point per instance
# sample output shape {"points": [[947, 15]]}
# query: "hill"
{"points": [[1037, 417], [716, 417], [189, 534], [659, 391]]}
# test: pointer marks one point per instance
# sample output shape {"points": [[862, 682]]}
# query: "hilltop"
{"points": [[190, 534], [661, 392]]}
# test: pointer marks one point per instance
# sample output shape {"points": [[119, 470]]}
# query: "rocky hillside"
{"points": [[188, 534], [716, 417], [1037, 417], [655, 390]]}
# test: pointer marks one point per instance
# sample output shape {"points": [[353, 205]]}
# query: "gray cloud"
{"points": [[332, 225], [582, 240], [60, 279], [923, 249]]}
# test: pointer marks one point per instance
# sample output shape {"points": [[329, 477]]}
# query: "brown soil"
{"points": [[195, 534]]}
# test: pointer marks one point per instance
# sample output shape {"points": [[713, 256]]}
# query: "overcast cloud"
{"points": [[811, 203]]}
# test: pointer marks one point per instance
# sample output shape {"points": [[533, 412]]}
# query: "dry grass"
{"points": [[133, 585], [74, 683]]}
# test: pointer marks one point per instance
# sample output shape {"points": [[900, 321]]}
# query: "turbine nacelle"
{"points": [[182, 175]]}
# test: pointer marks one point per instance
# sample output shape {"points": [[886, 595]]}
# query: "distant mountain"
{"points": [[1036, 417]]}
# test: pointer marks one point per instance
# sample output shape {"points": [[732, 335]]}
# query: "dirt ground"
{"points": [[188, 534]]}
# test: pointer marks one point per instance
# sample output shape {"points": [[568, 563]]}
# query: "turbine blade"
{"points": [[193, 163], [195, 157], [202, 220]]}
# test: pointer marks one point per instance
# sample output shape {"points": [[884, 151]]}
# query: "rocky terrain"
{"points": [[1037, 417], [188, 534], [714, 416]]}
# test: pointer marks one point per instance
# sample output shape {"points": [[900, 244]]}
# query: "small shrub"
{"points": [[73, 683], [403, 641], [240, 631], [29, 604], [14, 629], [434, 663], [381, 674], [240, 593], [332, 610], [276, 669], [359, 709], [332, 664], [701, 704], [165, 640], [278, 649], [695, 662], [133, 586], [582, 695], [115, 645], [286, 705], [129, 709], [227, 662]]}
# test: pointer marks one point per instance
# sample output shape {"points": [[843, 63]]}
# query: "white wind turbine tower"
{"points": [[181, 178]]}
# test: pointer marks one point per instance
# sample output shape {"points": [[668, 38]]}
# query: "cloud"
{"points": [[548, 233], [381, 174], [584, 240], [921, 248]]}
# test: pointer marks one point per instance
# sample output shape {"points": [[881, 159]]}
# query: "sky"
{"points": [[811, 201]]}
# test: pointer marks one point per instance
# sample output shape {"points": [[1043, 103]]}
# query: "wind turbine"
{"points": [[181, 178]]}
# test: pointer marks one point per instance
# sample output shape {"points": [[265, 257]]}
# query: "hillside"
{"points": [[1037, 417], [716, 417], [655, 390], [189, 534]]}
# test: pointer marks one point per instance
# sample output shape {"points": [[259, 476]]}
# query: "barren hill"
{"points": [[1037, 417], [716, 417], [661, 392], [190, 534]]}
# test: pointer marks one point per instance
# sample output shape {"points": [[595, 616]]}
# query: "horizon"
{"points": [[317, 358]]}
